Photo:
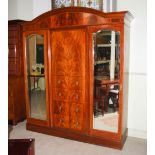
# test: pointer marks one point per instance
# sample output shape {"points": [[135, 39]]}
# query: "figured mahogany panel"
{"points": [[60, 82], [73, 17], [61, 117], [64, 82], [61, 121], [68, 77], [60, 94], [61, 108], [78, 18], [76, 83], [68, 52], [77, 96], [76, 116], [61, 111]]}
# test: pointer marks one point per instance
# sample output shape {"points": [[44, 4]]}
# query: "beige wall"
{"points": [[137, 73]]}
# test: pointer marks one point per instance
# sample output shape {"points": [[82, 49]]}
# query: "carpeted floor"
{"points": [[49, 145]]}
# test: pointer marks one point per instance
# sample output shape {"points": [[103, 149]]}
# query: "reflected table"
{"points": [[36, 78], [102, 85]]}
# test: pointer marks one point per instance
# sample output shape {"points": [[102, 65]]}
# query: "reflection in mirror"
{"points": [[106, 52], [36, 76]]}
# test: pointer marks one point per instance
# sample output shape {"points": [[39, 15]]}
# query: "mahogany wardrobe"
{"points": [[76, 60]]}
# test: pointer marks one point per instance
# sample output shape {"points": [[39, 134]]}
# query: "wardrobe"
{"points": [[75, 61], [16, 95]]}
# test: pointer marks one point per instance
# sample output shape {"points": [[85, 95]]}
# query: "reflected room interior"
{"points": [[36, 76], [106, 52]]}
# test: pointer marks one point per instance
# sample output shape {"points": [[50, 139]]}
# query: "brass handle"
{"points": [[59, 82], [77, 83], [60, 108], [77, 96], [61, 120], [77, 123], [77, 110]]}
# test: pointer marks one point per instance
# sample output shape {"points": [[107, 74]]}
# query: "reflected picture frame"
{"points": [[95, 4]]}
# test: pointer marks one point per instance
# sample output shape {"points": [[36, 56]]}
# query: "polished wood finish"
{"points": [[69, 64], [16, 96], [21, 147], [74, 16], [98, 140], [68, 76]]}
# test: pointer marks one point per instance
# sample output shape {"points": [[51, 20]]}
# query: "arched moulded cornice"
{"points": [[74, 16]]}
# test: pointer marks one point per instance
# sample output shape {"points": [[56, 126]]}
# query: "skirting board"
{"points": [[137, 133]]}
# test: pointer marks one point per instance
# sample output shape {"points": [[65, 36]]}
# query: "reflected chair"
{"points": [[100, 98], [114, 96]]}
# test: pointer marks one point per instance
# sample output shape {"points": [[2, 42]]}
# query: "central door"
{"points": [[68, 51]]}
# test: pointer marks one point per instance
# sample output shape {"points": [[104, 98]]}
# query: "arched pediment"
{"points": [[74, 16]]}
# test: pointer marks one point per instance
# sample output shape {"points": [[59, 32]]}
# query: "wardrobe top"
{"points": [[74, 16]]}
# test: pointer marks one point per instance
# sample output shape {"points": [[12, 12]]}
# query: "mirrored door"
{"points": [[106, 72], [35, 56]]}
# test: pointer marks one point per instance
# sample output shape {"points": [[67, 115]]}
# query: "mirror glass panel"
{"points": [[106, 56], [36, 76]]}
